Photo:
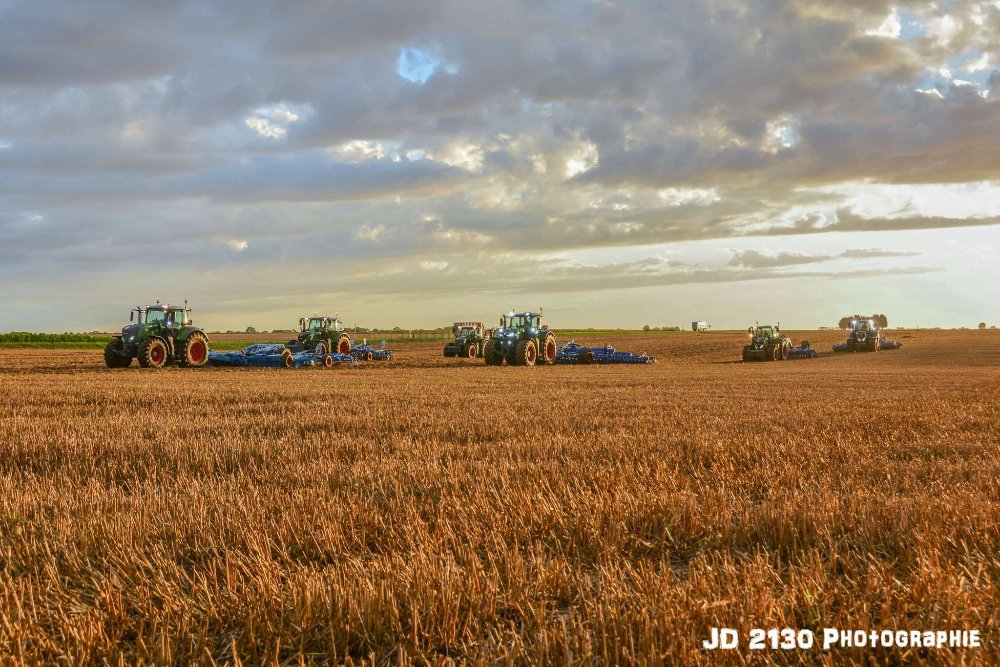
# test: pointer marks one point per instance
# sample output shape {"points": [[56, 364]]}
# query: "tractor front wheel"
{"points": [[153, 353], [472, 351], [115, 356], [195, 351], [525, 353], [491, 354]]}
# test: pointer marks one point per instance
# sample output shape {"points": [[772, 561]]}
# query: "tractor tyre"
{"points": [[491, 355], [775, 353], [783, 353], [547, 354], [747, 354], [448, 352], [114, 354], [525, 353], [322, 348], [153, 353], [344, 344], [472, 351], [195, 351]]}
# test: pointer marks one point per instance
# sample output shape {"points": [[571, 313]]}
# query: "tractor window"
{"points": [[315, 324], [154, 316]]}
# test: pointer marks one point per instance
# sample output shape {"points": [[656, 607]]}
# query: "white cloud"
{"points": [[891, 27], [584, 158], [370, 233], [272, 122], [238, 245], [689, 196], [433, 266], [358, 150]]}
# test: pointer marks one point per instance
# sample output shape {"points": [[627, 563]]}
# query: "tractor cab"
{"points": [[166, 315], [863, 325], [319, 323]]}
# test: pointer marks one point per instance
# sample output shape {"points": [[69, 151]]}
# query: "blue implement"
{"points": [[268, 355], [573, 353]]}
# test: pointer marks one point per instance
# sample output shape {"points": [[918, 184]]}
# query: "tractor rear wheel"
{"points": [[153, 353], [114, 354], [472, 351], [548, 351], [775, 353], [748, 353], [491, 355], [195, 354], [344, 344], [449, 351], [323, 347], [525, 353], [783, 353]]}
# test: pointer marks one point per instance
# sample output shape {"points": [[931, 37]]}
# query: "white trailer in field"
{"points": [[700, 325]]}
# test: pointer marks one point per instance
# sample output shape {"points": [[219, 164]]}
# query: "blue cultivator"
{"points": [[265, 355], [803, 351], [882, 345], [366, 352], [572, 353]]}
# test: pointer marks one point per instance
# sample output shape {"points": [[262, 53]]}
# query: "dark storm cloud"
{"points": [[250, 134]]}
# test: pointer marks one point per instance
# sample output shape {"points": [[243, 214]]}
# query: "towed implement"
{"points": [[521, 340], [158, 336], [267, 355], [803, 351], [866, 336], [574, 353], [366, 352]]}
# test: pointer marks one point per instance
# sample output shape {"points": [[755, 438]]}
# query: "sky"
{"points": [[416, 163]]}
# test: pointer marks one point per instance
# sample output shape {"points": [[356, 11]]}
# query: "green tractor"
{"points": [[864, 336], [158, 336], [521, 340], [470, 340], [767, 343], [322, 331]]}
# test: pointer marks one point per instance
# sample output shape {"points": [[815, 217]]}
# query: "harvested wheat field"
{"points": [[434, 510]]}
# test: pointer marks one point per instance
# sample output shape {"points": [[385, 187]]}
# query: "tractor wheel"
{"points": [[114, 354], [195, 354], [472, 351], [322, 348], [491, 355], [344, 344], [153, 353], [775, 353], [747, 353], [525, 353], [548, 351], [783, 353], [448, 352]]}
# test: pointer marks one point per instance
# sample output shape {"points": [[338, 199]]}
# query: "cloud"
{"points": [[756, 259], [390, 133]]}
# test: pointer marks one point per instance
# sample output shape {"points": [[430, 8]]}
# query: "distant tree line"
{"points": [[25, 337], [881, 320]]}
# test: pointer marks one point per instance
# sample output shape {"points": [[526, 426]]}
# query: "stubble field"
{"points": [[434, 509]]}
